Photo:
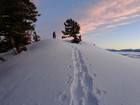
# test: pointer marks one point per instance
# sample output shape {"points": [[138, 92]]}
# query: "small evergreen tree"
{"points": [[4, 47], [17, 18], [36, 37], [72, 28]]}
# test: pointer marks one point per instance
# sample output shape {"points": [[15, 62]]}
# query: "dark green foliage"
{"points": [[4, 44], [4, 47], [2, 59], [72, 28], [36, 38], [17, 18]]}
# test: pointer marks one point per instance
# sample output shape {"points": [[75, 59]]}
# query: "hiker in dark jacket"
{"points": [[54, 35]]}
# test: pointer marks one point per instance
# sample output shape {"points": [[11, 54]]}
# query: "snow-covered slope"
{"points": [[55, 72]]}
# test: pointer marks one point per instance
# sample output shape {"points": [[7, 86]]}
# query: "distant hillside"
{"points": [[124, 50]]}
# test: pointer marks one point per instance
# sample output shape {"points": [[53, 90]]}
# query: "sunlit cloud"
{"points": [[119, 24], [36, 1], [110, 14]]}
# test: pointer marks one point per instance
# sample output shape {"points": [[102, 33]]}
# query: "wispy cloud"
{"points": [[36, 1], [119, 24], [110, 14]]}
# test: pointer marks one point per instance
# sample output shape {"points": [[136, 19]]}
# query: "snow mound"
{"points": [[56, 72]]}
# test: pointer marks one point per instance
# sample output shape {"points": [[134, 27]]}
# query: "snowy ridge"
{"points": [[56, 72], [82, 85]]}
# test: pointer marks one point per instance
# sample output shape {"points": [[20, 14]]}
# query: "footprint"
{"points": [[90, 65], [69, 79], [62, 97], [69, 66], [98, 91], [105, 92], [94, 75]]}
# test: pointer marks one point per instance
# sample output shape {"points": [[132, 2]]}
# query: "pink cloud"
{"points": [[110, 12], [36, 1], [87, 25], [119, 24]]}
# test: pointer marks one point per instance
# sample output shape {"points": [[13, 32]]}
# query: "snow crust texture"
{"points": [[82, 85], [56, 72]]}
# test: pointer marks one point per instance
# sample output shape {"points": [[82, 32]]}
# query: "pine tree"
{"points": [[36, 37], [17, 19], [72, 28]]}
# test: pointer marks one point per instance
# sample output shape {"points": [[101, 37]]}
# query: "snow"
{"points": [[128, 52], [56, 72], [131, 54]]}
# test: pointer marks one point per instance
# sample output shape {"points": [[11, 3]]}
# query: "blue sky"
{"points": [[107, 23]]}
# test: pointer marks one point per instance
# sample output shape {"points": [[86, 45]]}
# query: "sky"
{"points": [[111, 24]]}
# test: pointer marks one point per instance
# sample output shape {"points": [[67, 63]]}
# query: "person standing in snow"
{"points": [[54, 35]]}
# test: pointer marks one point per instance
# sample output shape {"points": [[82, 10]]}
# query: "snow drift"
{"points": [[55, 72]]}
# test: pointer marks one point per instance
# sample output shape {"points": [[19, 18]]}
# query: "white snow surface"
{"points": [[135, 55], [56, 72]]}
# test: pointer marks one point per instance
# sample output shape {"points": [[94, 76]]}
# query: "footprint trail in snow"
{"points": [[82, 84]]}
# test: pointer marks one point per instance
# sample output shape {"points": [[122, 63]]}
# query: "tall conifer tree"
{"points": [[17, 19]]}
